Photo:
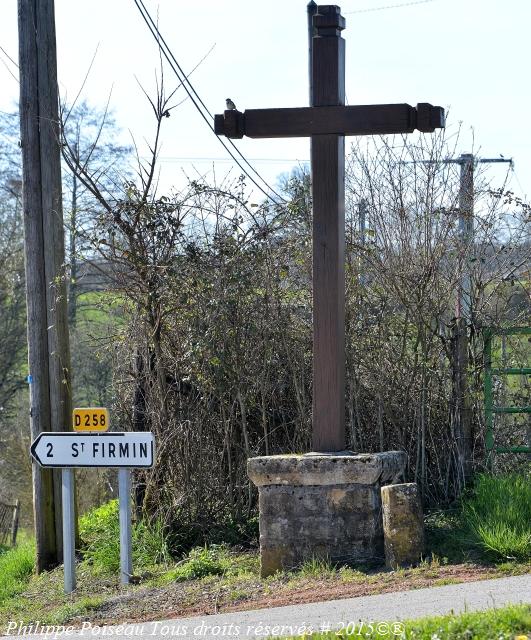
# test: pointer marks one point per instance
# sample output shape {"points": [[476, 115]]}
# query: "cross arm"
{"points": [[349, 121]]}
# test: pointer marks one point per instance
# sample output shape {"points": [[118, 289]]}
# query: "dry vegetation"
{"points": [[204, 333]]}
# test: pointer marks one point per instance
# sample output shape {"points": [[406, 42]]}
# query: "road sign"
{"points": [[90, 419], [66, 449]]}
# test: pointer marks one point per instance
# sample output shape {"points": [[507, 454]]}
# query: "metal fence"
{"points": [[491, 410], [9, 517]]}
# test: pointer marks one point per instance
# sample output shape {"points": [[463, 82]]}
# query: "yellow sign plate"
{"points": [[90, 419]]}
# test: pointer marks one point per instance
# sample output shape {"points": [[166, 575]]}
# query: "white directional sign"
{"points": [[66, 449]]}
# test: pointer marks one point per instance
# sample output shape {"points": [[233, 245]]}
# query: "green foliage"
{"points": [[100, 533], [497, 516], [317, 568], [76, 609], [213, 560], [502, 624], [204, 561], [16, 567]]}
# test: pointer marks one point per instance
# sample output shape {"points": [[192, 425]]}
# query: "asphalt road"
{"points": [[321, 616]]}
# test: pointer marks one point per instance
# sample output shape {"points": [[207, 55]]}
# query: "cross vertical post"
{"points": [[328, 195], [327, 121]]}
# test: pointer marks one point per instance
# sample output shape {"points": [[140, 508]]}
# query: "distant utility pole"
{"points": [[48, 345], [362, 216], [464, 310]]}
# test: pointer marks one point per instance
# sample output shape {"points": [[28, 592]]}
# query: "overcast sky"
{"points": [[470, 56]]}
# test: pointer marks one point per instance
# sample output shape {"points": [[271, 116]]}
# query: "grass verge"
{"points": [[16, 567], [99, 529], [497, 516], [492, 523], [508, 623]]}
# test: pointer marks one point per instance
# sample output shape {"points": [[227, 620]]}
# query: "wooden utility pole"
{"points": [[464, 307], [363, 206], [327, 121], [48, 345], [464, 315], [464, 432]]}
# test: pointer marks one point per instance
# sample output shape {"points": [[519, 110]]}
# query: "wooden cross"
{"points": [[327, 121]]}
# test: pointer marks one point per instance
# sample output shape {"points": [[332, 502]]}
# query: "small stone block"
{"points": [[403, 524]]}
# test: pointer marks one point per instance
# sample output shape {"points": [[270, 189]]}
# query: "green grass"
{"points": [[208, 561], [99, 530], [492, 523], [318, 568], [202, 562], [100, 307], [76, 609], [16, 567], [497, 516], [495, 624]]}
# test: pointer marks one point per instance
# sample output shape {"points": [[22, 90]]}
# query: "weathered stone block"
{"points": [[309, 500], [323, 469], [403, 524], [321, 506]]}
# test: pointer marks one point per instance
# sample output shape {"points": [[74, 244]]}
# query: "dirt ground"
{"points": [[206, 597]]}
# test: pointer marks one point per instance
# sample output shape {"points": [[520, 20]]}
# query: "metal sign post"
{"points": [[124, 493], [67, 450], [69, 530]]}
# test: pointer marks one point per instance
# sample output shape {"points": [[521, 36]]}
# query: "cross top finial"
{"points": [[328, 20]]}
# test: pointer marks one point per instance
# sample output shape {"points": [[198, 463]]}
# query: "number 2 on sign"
{"points": [[90, 419]]}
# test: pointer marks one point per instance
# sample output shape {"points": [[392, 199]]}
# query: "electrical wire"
{"points": [[389, 6], [194, 97], [6, 65], [185, 80], [8, 56], [519, 183], [9, 70], [221, 159]]}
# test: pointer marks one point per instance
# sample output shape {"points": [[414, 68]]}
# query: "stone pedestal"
{"points": [[403, 524], [322, 506]]}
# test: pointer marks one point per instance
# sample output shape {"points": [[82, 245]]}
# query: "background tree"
{"points": [[13, 369], [92, 137]]}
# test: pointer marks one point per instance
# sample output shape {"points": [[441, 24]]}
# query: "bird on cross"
{"points": [[230, 104]]}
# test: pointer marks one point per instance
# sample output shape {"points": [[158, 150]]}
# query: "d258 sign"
{"points": [[90, 419], [65, 449]]}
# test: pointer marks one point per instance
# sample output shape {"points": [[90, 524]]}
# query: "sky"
{"points": [[469, 56]]}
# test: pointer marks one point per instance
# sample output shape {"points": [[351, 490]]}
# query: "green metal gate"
{"points": [[490, 409]]}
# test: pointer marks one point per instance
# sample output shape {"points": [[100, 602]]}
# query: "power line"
{"points": [[9, 70], [184, 79], [389, 6], [8, 56], [177, 69], [220, 159], [6, 66], [518, 182]]}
